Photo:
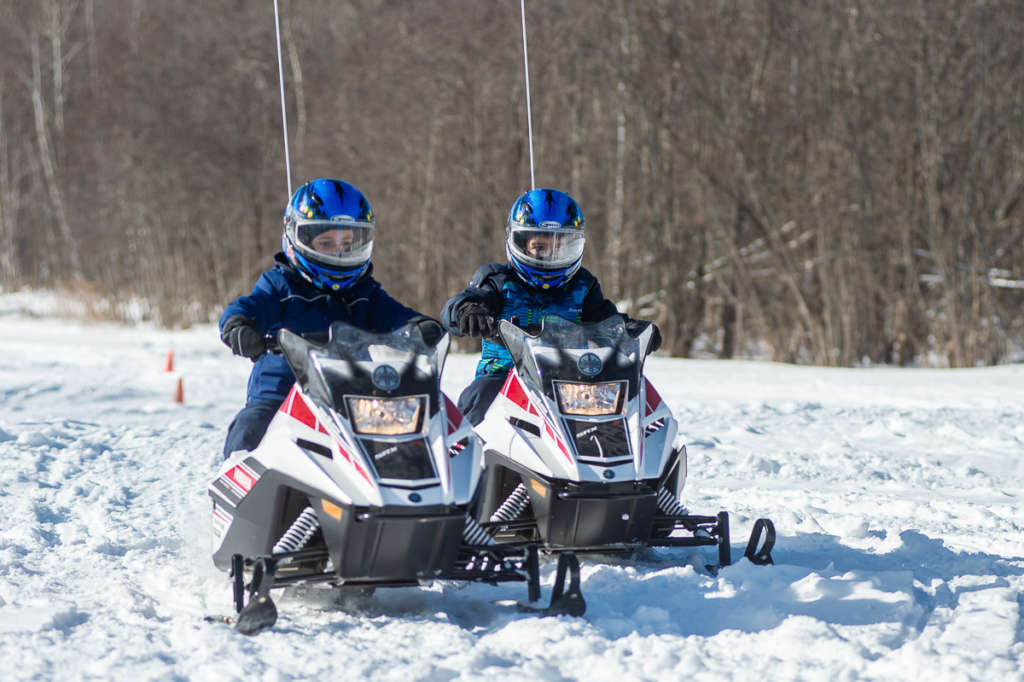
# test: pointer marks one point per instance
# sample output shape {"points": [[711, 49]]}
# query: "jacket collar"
{"points": [[292, 273]]}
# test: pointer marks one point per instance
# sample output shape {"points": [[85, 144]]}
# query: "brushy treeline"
{"points": [[833, 181]]}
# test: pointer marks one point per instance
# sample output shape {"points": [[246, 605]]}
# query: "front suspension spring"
{"points": [[299, 533], [474, 534], [670, 504], [513, 505]]}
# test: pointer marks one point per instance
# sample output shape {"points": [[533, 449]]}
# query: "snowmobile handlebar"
{"points": [[274, 346]]}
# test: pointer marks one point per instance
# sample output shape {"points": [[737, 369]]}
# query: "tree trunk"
{"points": [[68, 248]]}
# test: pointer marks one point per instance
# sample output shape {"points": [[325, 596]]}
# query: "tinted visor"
{"points": [[547, 249], [334, 243]]}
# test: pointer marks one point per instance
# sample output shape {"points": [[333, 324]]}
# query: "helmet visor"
{"points": [[547, 249], [334, 243]]}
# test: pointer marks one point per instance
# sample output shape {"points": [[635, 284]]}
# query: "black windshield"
{"points": [[358, 362], [566, 351]]}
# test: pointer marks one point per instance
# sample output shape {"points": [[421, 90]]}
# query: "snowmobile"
{"points": [[580, 453], [366, 478]]}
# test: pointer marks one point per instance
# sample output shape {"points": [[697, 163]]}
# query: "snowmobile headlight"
{"points": [[589, 399], [387, 416]]}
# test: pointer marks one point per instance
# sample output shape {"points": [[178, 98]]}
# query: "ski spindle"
{"points": [[284, 113], [526, 70]]}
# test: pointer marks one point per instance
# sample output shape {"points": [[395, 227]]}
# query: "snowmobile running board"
{"points": [[481, 563]]}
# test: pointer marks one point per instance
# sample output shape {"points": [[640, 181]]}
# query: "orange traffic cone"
{"points": [[179, 391], [170, 361]]}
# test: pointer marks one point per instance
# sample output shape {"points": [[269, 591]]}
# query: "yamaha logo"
{"points": [[589, 364], [386, 378]]}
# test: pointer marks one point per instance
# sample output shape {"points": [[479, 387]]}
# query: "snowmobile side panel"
{"points": [[262, 516], [252, 528], [674, 477]]}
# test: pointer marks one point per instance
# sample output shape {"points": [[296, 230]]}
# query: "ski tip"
{"points": [[258, 615], [568, 605]]}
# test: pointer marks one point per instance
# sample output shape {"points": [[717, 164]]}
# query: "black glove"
{"points": [[430, 329], [474, 319], [636, 327], [242, 336]]}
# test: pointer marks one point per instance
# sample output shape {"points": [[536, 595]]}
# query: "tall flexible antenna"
{"points": [[526, 70], [284, 113]]}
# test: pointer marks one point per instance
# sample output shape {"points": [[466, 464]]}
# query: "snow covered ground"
{"points": [[897, 494]]}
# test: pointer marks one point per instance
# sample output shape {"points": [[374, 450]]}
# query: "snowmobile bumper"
{"points": [[584, 517], [393, 545]]}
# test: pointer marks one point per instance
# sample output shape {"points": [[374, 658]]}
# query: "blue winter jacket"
{"points": [[506, 296], [283, 299]]}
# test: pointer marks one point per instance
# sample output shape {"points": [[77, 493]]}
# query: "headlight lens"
{"points": [[589, 399], [387, 416]]}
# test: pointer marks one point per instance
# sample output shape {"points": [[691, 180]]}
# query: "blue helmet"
{"points": [[328, 233], [544, 238]]}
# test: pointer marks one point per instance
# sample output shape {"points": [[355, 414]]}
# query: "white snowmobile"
{"points": [[580, 454], [366, 477]]}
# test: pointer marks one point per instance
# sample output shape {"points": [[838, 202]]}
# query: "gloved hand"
{"points": [[636, 327], [473, 319], [430, 329], [242, 336]]}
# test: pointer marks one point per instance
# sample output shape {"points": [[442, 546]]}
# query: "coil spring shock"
{"points": [[513, 505], [474, 533], [670, 504], [299, 533]]}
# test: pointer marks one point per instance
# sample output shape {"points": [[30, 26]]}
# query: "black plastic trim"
{"points": [[529, 427], [315, 448]]}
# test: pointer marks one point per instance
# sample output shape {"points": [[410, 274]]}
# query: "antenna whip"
{"points": [[526, 70], [284, 113]]}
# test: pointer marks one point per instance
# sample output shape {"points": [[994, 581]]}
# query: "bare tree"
{"points": [[832, 183]]}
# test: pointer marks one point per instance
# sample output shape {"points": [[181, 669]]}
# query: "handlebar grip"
{"points": [[274, 346]]}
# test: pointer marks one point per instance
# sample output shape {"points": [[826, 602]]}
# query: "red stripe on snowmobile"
{"points": [[558, 441], [352, 461], [241, 477], [454, 416], [653, 398], [513, 390], [362, 472], [300, 410], [286, 406]]}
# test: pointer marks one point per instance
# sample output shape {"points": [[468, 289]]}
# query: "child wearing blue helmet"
{"points": [[544, 240], [324, 274]]}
